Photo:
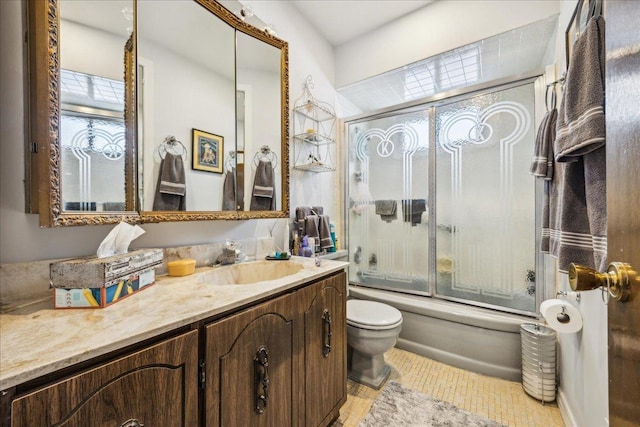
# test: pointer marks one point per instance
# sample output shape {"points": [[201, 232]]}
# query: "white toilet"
{"points": [[372, 329]]}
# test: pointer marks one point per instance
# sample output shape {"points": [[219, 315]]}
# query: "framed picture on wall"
{"points": [[208, 150]]}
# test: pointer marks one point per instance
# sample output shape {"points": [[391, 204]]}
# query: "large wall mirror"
{"points": [[155, 110]]}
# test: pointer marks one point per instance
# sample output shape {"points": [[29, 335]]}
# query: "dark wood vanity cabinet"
{"points": [[156, 386], [325, 345], [280, 363]]}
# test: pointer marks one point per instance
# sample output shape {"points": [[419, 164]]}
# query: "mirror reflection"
{"points": [[258, 77], [155, 111], [186, 103], [95, 45]]}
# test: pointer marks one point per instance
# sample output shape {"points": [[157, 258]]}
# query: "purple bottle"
{"points": [[305, 249]]}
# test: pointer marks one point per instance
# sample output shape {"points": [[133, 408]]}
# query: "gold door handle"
{"points": [[617, 279]]}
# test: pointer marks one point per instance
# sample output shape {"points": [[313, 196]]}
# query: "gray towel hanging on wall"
{"points": [[171, 189]]}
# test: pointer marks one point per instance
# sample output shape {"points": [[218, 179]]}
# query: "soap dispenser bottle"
{"points": [[296, 244]]}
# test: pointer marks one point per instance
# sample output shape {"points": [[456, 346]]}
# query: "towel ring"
{"points": [[552, 105], [265, 154], [173, 146], [554, 95], [231, 161]]}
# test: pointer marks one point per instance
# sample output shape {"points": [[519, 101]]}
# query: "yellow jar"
{"points": [[181, 267]]}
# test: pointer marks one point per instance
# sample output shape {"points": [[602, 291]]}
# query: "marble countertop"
{"points": [[36, 340]]}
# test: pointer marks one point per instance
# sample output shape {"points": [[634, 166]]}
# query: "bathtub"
{"points": [[471, 338]]}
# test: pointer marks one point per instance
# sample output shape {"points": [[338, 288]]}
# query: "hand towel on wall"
{"points": [[542, 163], [324, 229], [233, 190], [240, 187], [171, 189], [263, 197], [387, 209], [229, 190], [581, 120], [543, 166], [577, 211], [412, 210]]}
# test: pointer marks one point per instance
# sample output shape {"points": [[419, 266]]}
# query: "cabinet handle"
{"points": [[326, 332], [132, 423], [261, 375]]}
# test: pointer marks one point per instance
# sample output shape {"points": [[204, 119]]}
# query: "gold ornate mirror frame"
{"points": [[43, 144]]}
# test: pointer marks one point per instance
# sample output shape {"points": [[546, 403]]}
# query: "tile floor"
{"points": [[500, 400]]}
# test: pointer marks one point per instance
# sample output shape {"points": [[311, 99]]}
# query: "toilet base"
{"points": [[367, 370]]}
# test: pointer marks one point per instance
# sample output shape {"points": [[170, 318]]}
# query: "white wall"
{"points": [[22, 240], [584, 381], [176, 83], [309, 54], [265, 127], [91, 51], [436, 28]]}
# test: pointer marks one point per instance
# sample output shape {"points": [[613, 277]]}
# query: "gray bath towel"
{"points": [[171, 189], [301, 214], [239, 174], [543, 158], [577, 194], [303, 211], [312, 228], [264, 193], [581, 121], [229, 191], [412, 210], [387, 209], [324, 230], [551, 173]]}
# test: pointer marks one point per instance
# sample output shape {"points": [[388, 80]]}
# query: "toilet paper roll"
{"points": [[550, 309]]}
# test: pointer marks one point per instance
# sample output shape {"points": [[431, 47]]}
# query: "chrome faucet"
{"points": [[231, 254]]}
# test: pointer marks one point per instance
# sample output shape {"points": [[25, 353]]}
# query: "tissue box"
{"points": [[92, 282], [103, 296]]}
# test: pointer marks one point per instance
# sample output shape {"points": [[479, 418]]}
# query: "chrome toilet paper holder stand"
{"points": [[565, 294]]}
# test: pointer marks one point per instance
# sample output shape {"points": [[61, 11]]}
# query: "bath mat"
{"points": [[399, 406]]}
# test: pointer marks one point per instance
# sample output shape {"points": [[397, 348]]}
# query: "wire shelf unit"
{"points": [[313, 132]]}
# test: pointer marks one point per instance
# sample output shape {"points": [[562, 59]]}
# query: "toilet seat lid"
{"points": [[372, 314]]}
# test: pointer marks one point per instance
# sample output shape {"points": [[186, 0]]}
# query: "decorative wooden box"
{"points": [[92, 282]]}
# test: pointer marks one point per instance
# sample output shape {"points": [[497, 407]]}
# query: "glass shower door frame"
{"points": [[431, 105]]}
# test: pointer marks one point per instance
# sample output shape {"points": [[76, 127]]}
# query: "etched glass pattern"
{"points": [[485, 239]]}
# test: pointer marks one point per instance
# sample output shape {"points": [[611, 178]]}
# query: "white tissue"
{"points": [[118, 240], [550, 310]]}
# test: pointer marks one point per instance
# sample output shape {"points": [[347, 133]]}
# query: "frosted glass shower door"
{"points": [[388, 187], [485, 207]]}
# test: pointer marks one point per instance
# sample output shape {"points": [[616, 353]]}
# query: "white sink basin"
{"points": [[250, 272]]}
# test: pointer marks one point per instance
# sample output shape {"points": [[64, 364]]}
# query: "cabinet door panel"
{"points": [[155, 386], [233, 374], [325, 368]]}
